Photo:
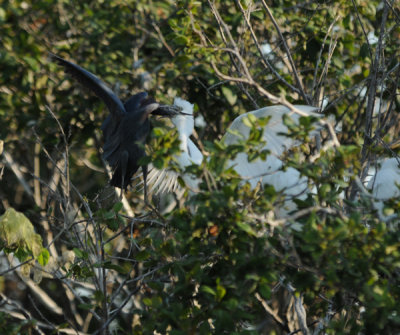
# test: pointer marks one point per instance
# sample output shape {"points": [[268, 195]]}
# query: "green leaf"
{"points": [[154, 301], [265, 291], [221, 291], [118, 268], [158, 131], [80, 254], [109, 215], [247, 122], [207, 289], [245, 227], [229, 95], [98, 296], [253, 119], [364, 51], [147, 301], [113, 224], [43, 257], [85, 307], [17, 232], [181, 40], [142, 255], [2, 15], [32, 62], [117, 207], [259, 14]]}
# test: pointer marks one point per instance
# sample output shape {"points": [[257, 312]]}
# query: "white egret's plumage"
{"points": [[275, 130], [385, 184], [271, 171], [167, 180]]}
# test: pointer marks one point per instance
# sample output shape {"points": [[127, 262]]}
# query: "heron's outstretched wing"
{"points": [[93, 83], [274, 131]]}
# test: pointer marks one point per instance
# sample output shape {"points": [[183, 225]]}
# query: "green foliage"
{"points": [[221, 260], [17, 235], [164, 145], [11, 326], [224, 254]]}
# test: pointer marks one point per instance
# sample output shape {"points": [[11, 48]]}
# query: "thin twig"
{"points": [[263, 58], [288, 52], [268, 309]]}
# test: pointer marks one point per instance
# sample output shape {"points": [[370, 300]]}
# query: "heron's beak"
{"points": [[168, 110]]}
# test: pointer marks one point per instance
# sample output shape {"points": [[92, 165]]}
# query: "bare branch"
{"points": [[288, 52]]}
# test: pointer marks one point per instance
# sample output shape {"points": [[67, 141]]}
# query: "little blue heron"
{"points": [[126, 128]]}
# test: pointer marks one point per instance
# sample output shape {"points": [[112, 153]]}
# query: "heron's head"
{"points": [[162, 110]]}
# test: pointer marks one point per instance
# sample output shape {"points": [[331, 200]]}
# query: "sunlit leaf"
{"points": [[230, 96], [43, 257], [17, 232]]}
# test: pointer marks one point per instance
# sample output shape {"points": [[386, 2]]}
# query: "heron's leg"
{"points": [[124, 164]]}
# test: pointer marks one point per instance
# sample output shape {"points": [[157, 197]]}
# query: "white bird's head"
{"points": [[184, 123]]}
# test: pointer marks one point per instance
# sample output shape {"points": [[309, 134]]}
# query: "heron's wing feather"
{"points": [[274, 131], [169, 184], [151, 176], [111, 145], [166, 180], [162, 181], [93, 83]]}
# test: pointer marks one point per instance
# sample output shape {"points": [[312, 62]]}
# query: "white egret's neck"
{"points": [[184, 123], [184, 141]]}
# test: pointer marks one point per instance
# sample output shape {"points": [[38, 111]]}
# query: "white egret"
{"points": [[274, 135], [385, 185], [271, 171], [165, 180]]}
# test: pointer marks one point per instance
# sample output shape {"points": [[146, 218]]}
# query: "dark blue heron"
{"points": [[126, 128]]}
